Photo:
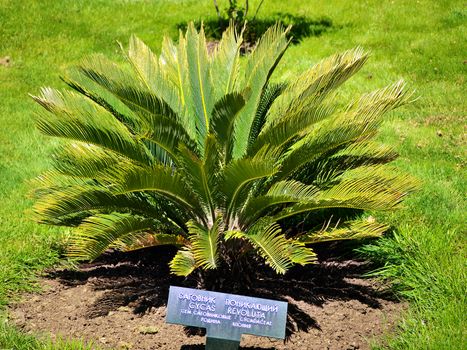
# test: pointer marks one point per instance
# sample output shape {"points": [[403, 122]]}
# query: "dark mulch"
{"points": [[119, 301]]}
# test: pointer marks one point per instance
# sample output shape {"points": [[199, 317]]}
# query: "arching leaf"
{"points": [[239, 175], [259, 67], [161, 180], [283, 192], [202, 174], [183, 262], [202, 93], [79, 119], [270, 243], [223, 120], [97, 233], [369, 188], [225, 63], [355, 229], [204, 243], [358, 123]]}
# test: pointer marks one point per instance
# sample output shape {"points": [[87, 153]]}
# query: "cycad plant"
{"points": [[202, 151]]}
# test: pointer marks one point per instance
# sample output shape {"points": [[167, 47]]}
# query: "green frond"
{"points": [[87, 161], [283, 192], [183, 262], [355, 229], [145, 62], [290, 129], [172, 62], [259, 67], [271, 245], [310, 88], [225, 63], [358, 123], [140, 240], [368, 149], [269, 95], [330, 166], [204, 243], [223, 120], [52, 180], [167, 134], [202, 93], [371, 187], [301, 254], [61, 202], [293, 189], [76, 118], [376, 103], [154, 77], [97, 233], [161, 180], [202, 174], [239, 176], [104, 98], [128, 89], [368, 188]]}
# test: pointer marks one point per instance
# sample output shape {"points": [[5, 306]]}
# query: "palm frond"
{"points": [[146, 64], [259, 67], [240, 174], [270, 243], [327, 168], [300, 254], [355, 229], [359, 122], [269, 95], [314, 85], [368, 188], [172, 62], [168, 134], [283, 192], [161, 180], [76, 118], [139, 240], [97, 233], [201, 174], [87, 161], [204, 243], [183, 262], [225, 63], [372, 187], [79, 82], [223, 120], [132, 92], [199, 76], [291, 129], [62, 202]]}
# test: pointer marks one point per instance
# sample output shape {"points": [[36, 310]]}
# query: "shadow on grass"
{"points": [[141, 279], [302, 27]]}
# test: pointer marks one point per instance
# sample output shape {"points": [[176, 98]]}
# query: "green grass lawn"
{"points": [[420, 41]]}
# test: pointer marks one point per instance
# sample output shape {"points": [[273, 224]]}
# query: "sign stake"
{"points": [[224, 344]]}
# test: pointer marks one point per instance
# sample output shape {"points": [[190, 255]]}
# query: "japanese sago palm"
{"points": [[202, 151]]}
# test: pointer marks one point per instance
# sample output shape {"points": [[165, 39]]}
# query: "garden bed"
{"points": [[120, 301]]}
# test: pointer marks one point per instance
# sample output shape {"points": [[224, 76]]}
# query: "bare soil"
{"points": [[119, 302]]}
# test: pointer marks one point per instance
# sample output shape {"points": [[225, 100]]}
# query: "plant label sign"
{"points": [[226, 316]]}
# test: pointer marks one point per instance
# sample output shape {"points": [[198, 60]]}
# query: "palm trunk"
{"points": [[236, 273]]}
